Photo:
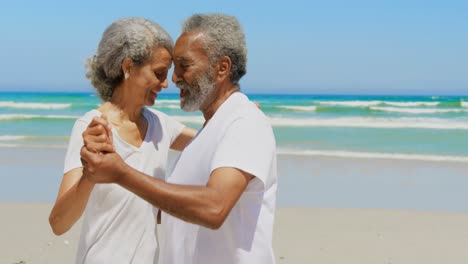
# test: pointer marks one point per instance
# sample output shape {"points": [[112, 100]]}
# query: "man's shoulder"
{"points": [[246, 109], [249, 114]]}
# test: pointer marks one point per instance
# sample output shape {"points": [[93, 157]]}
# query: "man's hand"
{"points": [[101, 164], [98, 136], [102, 167]]}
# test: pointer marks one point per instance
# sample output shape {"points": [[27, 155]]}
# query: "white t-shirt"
{"points": [[239, 136], [118, 226]]}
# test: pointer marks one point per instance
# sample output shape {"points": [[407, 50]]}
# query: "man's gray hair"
{"points": [[133, 38], [223, 37]]}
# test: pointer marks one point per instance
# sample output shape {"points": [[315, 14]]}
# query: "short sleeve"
{"points": [[72, 158], [247, 145]]}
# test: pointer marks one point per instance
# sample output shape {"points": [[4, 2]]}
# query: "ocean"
{"points": [[334, 151], [394, 127]]}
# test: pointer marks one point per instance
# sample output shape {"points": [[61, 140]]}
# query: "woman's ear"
{"points": [[127, 64]]}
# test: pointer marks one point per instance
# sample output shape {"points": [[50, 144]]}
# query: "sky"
{"points": [[305, 47]]}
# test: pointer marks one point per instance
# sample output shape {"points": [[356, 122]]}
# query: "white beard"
{"points": [[197, 93]]}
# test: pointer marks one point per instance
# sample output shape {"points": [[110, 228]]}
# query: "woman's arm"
{"points": [[183, 139], [71, 201]]}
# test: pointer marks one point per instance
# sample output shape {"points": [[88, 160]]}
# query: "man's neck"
{"points": [[219, 97]]}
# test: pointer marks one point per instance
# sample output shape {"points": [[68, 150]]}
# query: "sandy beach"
{"points": [[302, 235], [330, 210]]}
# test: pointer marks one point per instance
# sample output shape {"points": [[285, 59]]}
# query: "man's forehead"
{"points": [[188, 44]]}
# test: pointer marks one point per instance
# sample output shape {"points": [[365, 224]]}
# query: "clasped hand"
{"points": [[98, 156]]}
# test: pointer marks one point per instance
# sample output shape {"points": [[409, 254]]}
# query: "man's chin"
{"points": [[188, 108]]}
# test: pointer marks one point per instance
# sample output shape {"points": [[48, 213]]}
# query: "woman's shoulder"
{"points": [[88, 116]]}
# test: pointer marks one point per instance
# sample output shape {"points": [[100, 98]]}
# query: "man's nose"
{"points": [[175, 77], [165, 83]]}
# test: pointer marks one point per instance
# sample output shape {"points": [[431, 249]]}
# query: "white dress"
{"points": [[118, 226]]}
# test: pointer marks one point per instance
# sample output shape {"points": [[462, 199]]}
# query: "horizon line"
{"points": [[257, 93]]}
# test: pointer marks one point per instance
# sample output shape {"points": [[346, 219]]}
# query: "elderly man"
{"points": [[219, 202]]}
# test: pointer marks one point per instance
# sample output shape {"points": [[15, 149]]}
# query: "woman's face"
{"points": [[147, 80]]}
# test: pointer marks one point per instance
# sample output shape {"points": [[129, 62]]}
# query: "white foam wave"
{"points": [[24, 116], [406, 104], [357, 122], [12, 138], [361, 103], [369, 122], [464, 104], [371, 155], [167, 101], [171, 106], [351, 103], [298, 108], [417, 110], [42, 146], [20, 105], [9, 145]]}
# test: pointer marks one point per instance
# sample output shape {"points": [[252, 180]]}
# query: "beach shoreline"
{"points": [[34, 175]]}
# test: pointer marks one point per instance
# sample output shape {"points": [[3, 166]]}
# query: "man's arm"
{"points": [[203, 205], [183, 139]]}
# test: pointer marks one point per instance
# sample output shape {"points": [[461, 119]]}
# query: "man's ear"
{"points": [[127, 64], [223, 68]]}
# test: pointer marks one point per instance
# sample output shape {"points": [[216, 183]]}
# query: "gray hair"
{"points": [[223, 37], [133, 38]]}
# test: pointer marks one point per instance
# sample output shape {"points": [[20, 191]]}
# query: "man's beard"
{"points": [[197, 93]]}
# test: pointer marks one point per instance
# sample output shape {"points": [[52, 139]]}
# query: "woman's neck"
{"points": [[122, 108]]}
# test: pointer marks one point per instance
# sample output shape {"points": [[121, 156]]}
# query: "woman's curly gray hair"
{"points": [[133, 38], [223, 37]]}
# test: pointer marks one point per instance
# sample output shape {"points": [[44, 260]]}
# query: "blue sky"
{"points": [[313, 47]]}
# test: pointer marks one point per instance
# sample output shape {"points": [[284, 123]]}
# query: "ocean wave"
{"points": [[167, 101], [354, 122], [298, 108], [42, 146], [170, 107], [161, 107], [369, 122], [408, 104], [350, 103], [371, 155], [30, 138], [12, 138], [360, 103], [20, 105], [463, 104], [13, 117], [417, 110]]}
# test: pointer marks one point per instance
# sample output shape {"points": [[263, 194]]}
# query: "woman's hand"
{"points": [[97, 137]]}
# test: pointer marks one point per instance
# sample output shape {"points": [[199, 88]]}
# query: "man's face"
{"points": [[192, 72]]}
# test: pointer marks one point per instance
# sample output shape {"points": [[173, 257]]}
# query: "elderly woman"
{"points": [[128, 71]]}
